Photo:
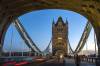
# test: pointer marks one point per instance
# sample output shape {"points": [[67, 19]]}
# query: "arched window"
{"points": [[59, 29]]}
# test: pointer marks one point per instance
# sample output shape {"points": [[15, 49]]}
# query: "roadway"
{"points": [[51, 62], [54, 62], [33, 61]]}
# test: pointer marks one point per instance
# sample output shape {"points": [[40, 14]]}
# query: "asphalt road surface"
{"points": [[54, 62]]}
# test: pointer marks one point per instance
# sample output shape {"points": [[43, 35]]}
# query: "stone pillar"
{"points": [[0, 50], [98, 40], [97, 30]]}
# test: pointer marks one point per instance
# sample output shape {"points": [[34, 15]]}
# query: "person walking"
{"points": [[77, 60]]}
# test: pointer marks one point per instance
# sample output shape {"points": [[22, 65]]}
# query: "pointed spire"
{"points": [[66, 21], [60, 19], [53, 23]]}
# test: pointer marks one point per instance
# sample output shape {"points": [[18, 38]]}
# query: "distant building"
{"points": [[60, 37]]}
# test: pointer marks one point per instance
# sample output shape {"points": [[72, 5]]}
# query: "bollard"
{"points": [[92, 60]]}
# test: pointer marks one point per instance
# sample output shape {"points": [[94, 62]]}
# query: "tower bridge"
{"points": [[60, 37], [10, 10], [59, 40]]}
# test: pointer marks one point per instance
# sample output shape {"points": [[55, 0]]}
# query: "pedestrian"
{"points": [[77, 60]]}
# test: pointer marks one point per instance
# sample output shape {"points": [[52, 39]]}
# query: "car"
{"points": [[21, 63], [9, 63]]}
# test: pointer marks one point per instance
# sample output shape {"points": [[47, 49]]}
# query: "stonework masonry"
{"points": [[60, 37]]}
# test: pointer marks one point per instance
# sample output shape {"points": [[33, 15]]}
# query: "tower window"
{"points": [[59, 29], [59, 38]]}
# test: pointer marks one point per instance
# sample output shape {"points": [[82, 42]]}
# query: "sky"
{"points": [[38, 25]]}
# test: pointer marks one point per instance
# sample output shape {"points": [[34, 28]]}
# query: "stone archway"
{"points": [[11, 9]]}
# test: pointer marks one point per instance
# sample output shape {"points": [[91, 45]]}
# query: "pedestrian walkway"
{"points": [[70, 62]]}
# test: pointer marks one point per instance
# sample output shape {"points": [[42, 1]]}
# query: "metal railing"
{"points": [[94, 60]]}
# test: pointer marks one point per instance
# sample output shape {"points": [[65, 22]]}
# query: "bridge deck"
{"points": [[68, 62], [55, 62]]}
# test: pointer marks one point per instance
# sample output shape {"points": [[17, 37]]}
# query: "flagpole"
{"points": [[10, 54]]}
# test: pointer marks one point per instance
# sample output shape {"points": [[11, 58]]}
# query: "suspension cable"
{"points": [[83, 39], [48, 46], [25, 36]]}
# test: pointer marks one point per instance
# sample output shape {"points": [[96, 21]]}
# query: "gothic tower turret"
{"points": [[60, 37]]}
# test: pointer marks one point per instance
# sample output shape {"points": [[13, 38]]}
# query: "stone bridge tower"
{"points": [[60, 37]]}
